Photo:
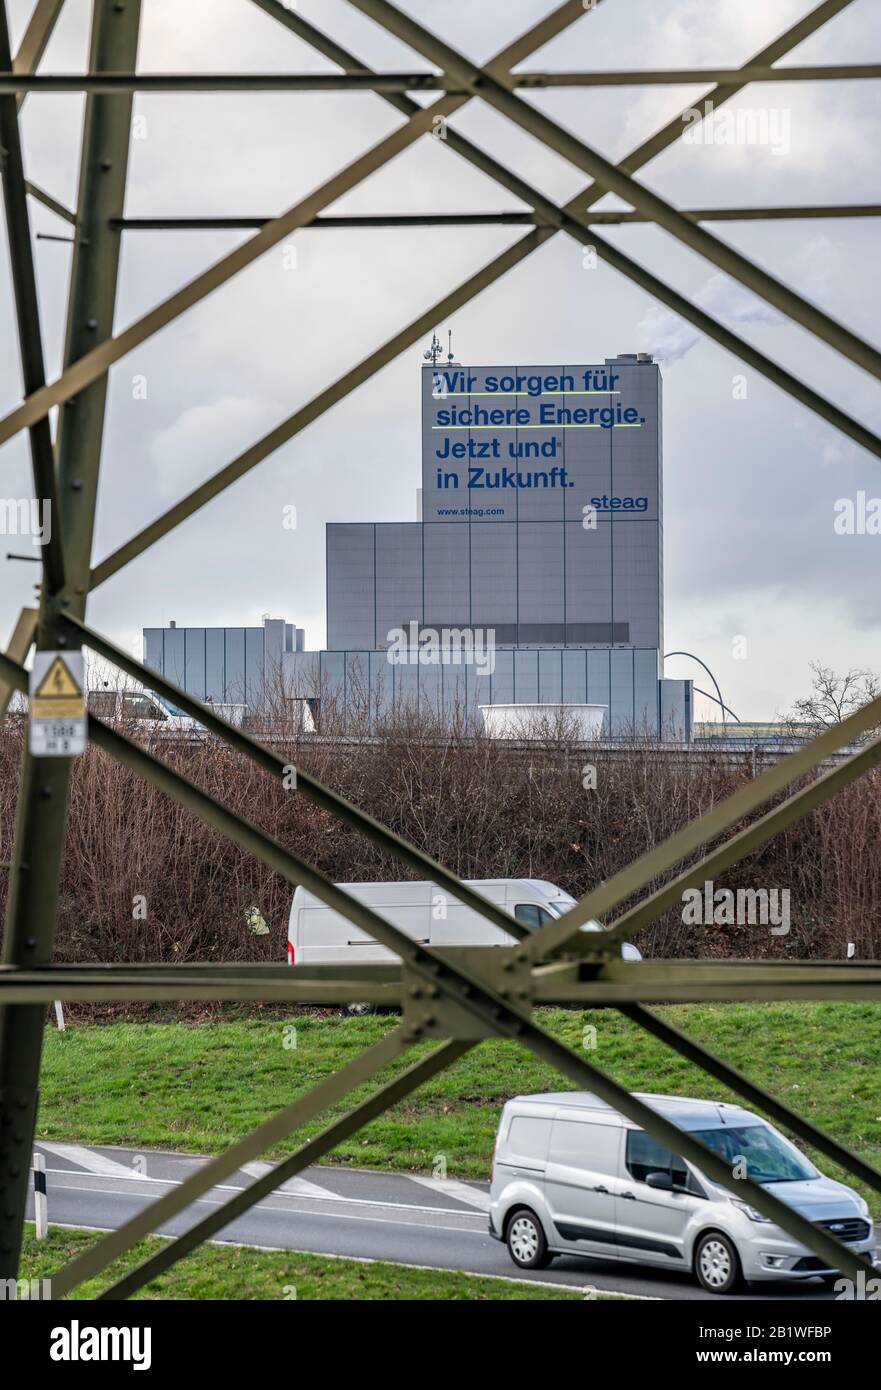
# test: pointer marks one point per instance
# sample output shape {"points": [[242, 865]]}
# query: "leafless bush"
{"points": [[144, 880]]}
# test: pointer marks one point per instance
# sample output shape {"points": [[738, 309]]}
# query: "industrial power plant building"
{"points": [[533, 574]]}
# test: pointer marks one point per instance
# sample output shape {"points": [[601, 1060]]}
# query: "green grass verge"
{"points": [[233, 1272], [200, 1087]]}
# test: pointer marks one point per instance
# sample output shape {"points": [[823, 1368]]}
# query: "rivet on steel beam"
{"points": [[45, 793], [77, 485], [105, 164], [92, 324], [30, 943]]}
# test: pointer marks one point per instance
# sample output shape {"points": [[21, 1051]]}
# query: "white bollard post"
{"points": [[59, 1015], [41, 1203]]}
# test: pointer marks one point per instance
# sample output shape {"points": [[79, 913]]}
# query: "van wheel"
{"points": [[356, 1010], [526, 1241], [717, 1264]]}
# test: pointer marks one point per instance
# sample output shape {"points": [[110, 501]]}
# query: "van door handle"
{"points": [[602, 1189], [628, 1196]]}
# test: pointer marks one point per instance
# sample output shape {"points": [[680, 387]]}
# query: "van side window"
{"points": [[645, 1155], [531, 915], [103, 703], [528, 1137]]}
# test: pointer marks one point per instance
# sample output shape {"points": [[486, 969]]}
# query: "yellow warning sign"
{"points": [[57, 696]]}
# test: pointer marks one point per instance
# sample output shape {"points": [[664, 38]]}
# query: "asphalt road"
{"points": [[343, 1211]]}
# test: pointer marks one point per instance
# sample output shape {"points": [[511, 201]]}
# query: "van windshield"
{"points": [[769, 1157]]}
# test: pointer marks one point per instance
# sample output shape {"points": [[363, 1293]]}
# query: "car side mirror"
{"points": [[663, 1182]]}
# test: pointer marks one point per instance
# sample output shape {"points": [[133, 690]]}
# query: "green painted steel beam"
{"points": [[453, 983], [755, 1095], [454, 989], [278, 766], [27, 309], [314, 409], [393, 1091], [35, 40], [594, 905], [573, 220], [356, 221], [558, 219], [321, 1097], [42, 802], [611, 178], [17, 651], [95, 364], [608, 983], [597, 904], [748, 840], [18, 82]]}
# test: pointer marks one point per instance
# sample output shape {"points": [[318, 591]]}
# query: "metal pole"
{"points": [[42, 805], [482, 83], [30, 339]]}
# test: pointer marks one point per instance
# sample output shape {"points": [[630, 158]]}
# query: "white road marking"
{"points": [[298, 1187], [319, 1196], [459, 1191], [91, 1160]]}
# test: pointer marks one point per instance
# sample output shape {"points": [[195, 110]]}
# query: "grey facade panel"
{"points": [[540, 579], [574, 674], [236, 683], [677, 710], [493, 559], [153, 649], [215, 672], [254, 685], [194, 645], [446, 552], [525, 677], [174, 656], [351, 587], [502, 683], [399, 578], [550, 677], [621, 692], [645, 689]]}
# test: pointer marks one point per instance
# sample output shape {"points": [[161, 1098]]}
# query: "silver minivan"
{"points": [[571, 1176]]}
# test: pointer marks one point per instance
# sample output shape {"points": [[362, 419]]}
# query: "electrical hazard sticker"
{"points": [[57, 721]]}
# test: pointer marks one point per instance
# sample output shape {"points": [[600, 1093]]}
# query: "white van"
{"points": [[427, 913], [571, 1176], [155, 714]]}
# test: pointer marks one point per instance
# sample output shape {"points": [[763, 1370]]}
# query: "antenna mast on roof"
{"points": [[432, 354]]}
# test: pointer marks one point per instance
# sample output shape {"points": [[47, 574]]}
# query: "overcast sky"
{"points": [[750, 484]]}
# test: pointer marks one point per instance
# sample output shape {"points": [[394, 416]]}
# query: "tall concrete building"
{"points": [[538, 540]]}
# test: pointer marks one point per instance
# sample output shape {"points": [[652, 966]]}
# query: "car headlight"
{"points": [[750, 1212]]}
